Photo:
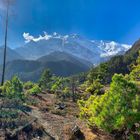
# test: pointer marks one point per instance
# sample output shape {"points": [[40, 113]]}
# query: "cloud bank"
{"points": [[29, 37]]}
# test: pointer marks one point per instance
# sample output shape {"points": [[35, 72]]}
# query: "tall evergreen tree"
{"points": [[46, 79]]}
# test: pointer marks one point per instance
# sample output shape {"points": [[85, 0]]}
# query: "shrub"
{"points": [[95, 88], [28, 85], [13, 88], [34, 90], [66, 93], [135, 73], [57, 84], [118, 109]]}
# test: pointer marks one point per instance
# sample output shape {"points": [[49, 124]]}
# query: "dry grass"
{"points": [[59, 123]]}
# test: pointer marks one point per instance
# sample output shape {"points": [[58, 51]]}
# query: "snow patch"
{"points": [[81, 47]]}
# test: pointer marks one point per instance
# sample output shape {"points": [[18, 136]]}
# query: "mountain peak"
{"points": [[95, 51]]}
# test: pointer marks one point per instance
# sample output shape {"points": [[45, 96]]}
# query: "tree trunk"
{"points": [[73, 88], [5, 44]]}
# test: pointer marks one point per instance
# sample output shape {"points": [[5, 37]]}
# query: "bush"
{"points": [[13, 88], [34, 90], [66, 93], [58, 84], [118, 109], [95, 88], [28, 85], [135, 73]]}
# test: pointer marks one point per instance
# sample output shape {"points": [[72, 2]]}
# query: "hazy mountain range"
{"points": [[60, 63], [11, 55], [64, 55], [90, 50]]}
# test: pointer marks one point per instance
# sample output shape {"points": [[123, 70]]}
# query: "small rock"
{"points": [[77, 133], [60, 106]]}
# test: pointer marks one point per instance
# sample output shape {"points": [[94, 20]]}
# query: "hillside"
{"points": [[122, 63], [11, 55], [63, 56], [118, 64], [61, 64]]}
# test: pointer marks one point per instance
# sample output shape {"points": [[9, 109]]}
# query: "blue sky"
{"points": [[117, 20]]}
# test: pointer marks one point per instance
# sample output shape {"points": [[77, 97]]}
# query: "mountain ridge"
{"points": [[11, 54], [76, 45], [32, 69], [121, 64], [57, 55]]}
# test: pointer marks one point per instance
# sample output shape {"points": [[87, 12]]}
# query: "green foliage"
{"points": [[135, 73], [95, 87], [100, 72], [65, 87], [46, 79], [119, 64], [31, 88], [28, 85], [80, 78], [62, 87], [66, 90], [13, 88], [66, 93], [57, 84], [118, 109], [34, 90]]}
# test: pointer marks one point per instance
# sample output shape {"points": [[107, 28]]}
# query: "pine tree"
{"points": [[46, 79], [135, 73], [118, 109]]}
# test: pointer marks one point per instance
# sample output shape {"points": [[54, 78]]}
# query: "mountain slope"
{"points": [[62, 56], [11, 55], [119, 64], [92, 51], [66, 65]]}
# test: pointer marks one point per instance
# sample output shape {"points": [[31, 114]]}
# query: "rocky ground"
{"points": [[53, 119], [62, 124]]}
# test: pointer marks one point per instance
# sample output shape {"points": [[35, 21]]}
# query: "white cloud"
{"points": [[46, 36], [29, 37]]}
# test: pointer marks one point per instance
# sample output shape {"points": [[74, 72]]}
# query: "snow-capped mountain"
{"points": [[112, 48], [90, 50]]}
